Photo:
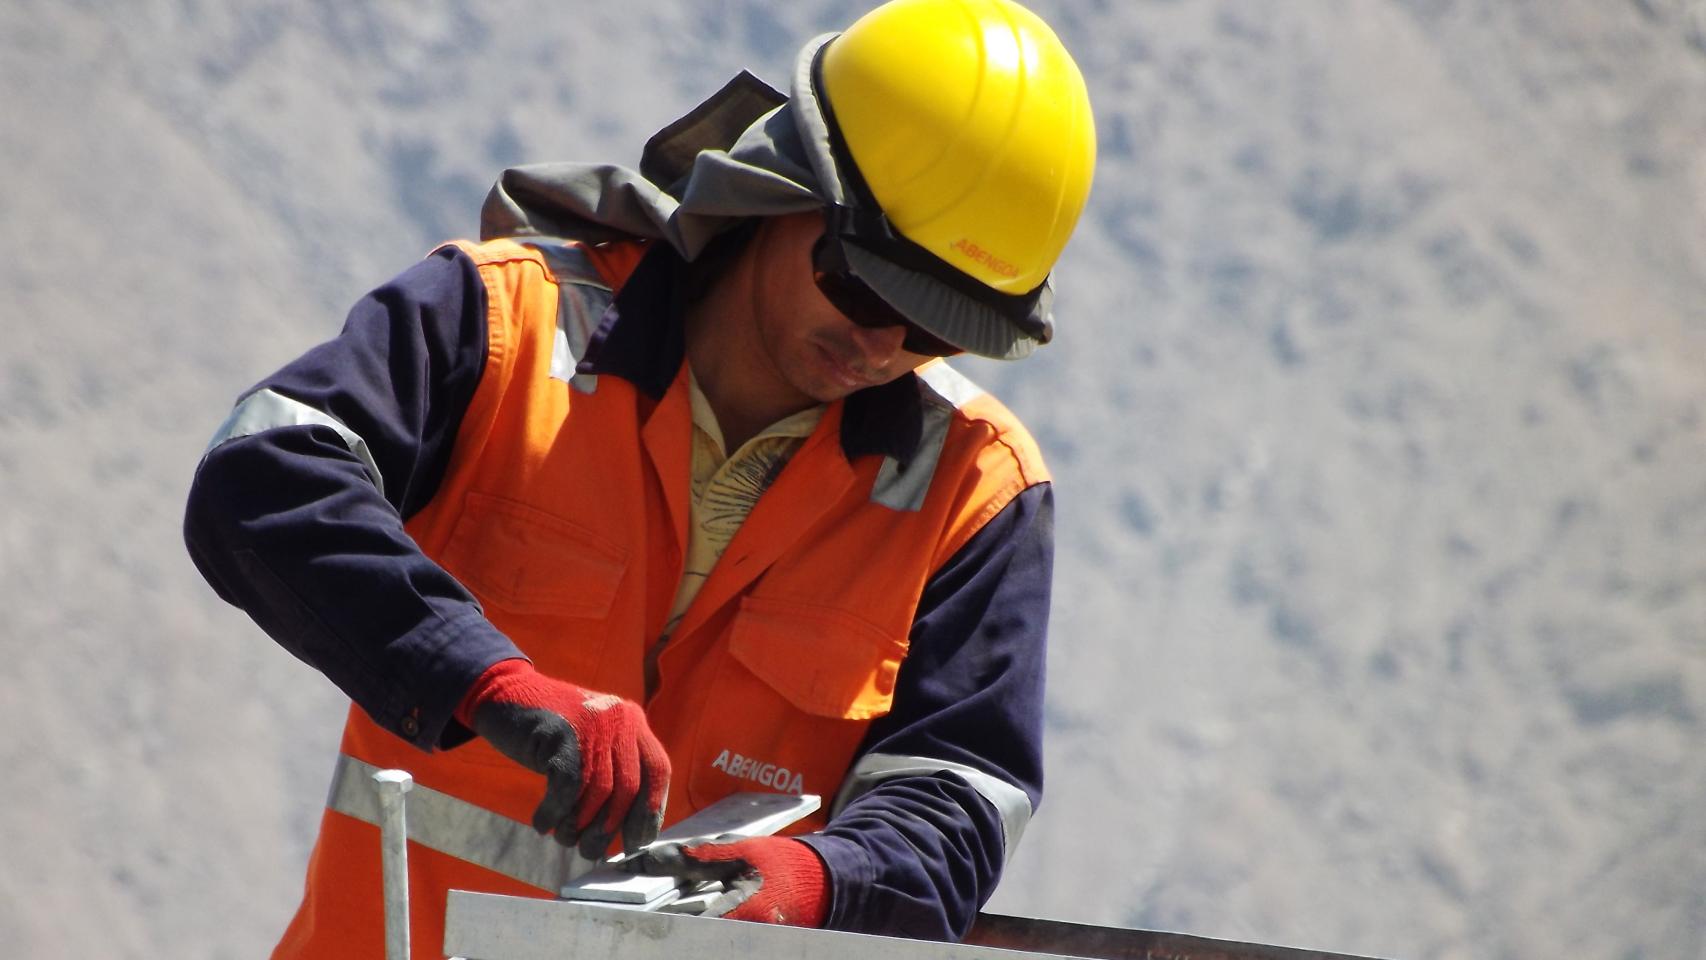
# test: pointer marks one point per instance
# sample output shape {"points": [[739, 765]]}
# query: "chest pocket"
{"points": [[546, 582], [824, 661], [797, 688]]}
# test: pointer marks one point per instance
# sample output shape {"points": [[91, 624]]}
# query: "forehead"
{"points": [[779, 255], [785, 241], [794, 228]]}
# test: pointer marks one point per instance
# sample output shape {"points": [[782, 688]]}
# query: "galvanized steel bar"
{"points": [[456, 827], [482, 926], [394, 855]]}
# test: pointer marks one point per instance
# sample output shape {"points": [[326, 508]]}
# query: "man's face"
{"points": [[811, 344]]}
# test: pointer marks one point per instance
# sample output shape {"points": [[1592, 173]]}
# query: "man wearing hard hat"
{"points": [[661, 491]]}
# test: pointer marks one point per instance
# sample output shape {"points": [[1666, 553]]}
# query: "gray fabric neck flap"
{"points": [[748, 151], [713, 125], [735, 156]]}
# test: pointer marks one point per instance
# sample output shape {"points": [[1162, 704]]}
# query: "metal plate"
{"points": [[743, 814]]}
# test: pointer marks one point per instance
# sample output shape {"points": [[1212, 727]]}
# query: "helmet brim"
{"points": [[960, 320]]}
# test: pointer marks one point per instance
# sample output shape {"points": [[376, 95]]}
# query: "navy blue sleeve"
{"points": [[290, 525], [918, 856]]}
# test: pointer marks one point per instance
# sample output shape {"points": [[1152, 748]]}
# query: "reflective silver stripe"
{"points": [[942, 390], [265, 409], [456, 827], [901, 487], [1011, 803], [949, 385], [582, 298]]}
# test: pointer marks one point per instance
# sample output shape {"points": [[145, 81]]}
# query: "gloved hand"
{"points": [[604, 769], [767, 879]]}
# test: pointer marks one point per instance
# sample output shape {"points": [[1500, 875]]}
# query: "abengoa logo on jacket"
{"points": [[780, 779]]}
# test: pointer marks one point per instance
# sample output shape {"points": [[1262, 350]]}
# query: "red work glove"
{"points": [[766, 879], [604, 769]]}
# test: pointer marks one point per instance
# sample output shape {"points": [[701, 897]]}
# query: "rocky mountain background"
{"points": [[1378, 418]]}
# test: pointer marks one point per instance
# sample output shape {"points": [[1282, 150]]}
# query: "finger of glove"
{"points": [[643, 821], [670, 860], [738, 901], [595, 838], [596, 783], [627, 779], [562, 792], [655, 770]]}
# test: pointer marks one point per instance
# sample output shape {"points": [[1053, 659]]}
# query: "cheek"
{"points": [[791, 346], [785, 338], [792, 329]]}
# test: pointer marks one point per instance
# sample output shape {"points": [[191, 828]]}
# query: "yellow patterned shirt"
{"points": [[726, 486]]}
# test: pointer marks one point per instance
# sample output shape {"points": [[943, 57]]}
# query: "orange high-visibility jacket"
{"points": [[562, 508]]}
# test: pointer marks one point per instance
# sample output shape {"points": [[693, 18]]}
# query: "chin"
{"points": [[826, 393]]}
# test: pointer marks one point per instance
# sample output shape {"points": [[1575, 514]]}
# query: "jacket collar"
{"points": [[642, 340]]}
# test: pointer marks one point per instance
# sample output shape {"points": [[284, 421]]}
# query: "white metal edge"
{"points": [[485, 926]]}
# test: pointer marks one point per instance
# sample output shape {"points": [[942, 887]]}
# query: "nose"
{"points": [[879, 346]]}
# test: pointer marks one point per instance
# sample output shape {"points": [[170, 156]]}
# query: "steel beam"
{"points": [[483, 926]]}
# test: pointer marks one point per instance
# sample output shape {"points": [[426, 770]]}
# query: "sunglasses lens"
{"points": [[926, 344], [861, 305], [857, 302]]}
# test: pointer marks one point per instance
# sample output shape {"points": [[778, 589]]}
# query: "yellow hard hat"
{"points": [[970, 125]]}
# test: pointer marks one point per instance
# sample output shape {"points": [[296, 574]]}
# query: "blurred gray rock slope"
{"points": [[1376, 417]]}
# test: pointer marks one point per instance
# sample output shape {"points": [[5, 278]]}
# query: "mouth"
{"points": [[846, 372]]}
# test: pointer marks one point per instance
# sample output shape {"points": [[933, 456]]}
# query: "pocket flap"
{"points": [[529, 561], [824, 660]]}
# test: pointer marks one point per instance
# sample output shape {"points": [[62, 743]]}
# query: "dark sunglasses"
{"points": [[860, 304]]}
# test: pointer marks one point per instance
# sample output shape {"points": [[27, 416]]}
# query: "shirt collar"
{"points": [[641, 339], [795, 426]]}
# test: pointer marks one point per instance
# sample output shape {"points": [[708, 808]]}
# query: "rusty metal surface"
{"points": [[1115, 943]]}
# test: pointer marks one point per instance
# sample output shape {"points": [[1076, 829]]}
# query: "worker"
{"points": [[662, 491]]}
